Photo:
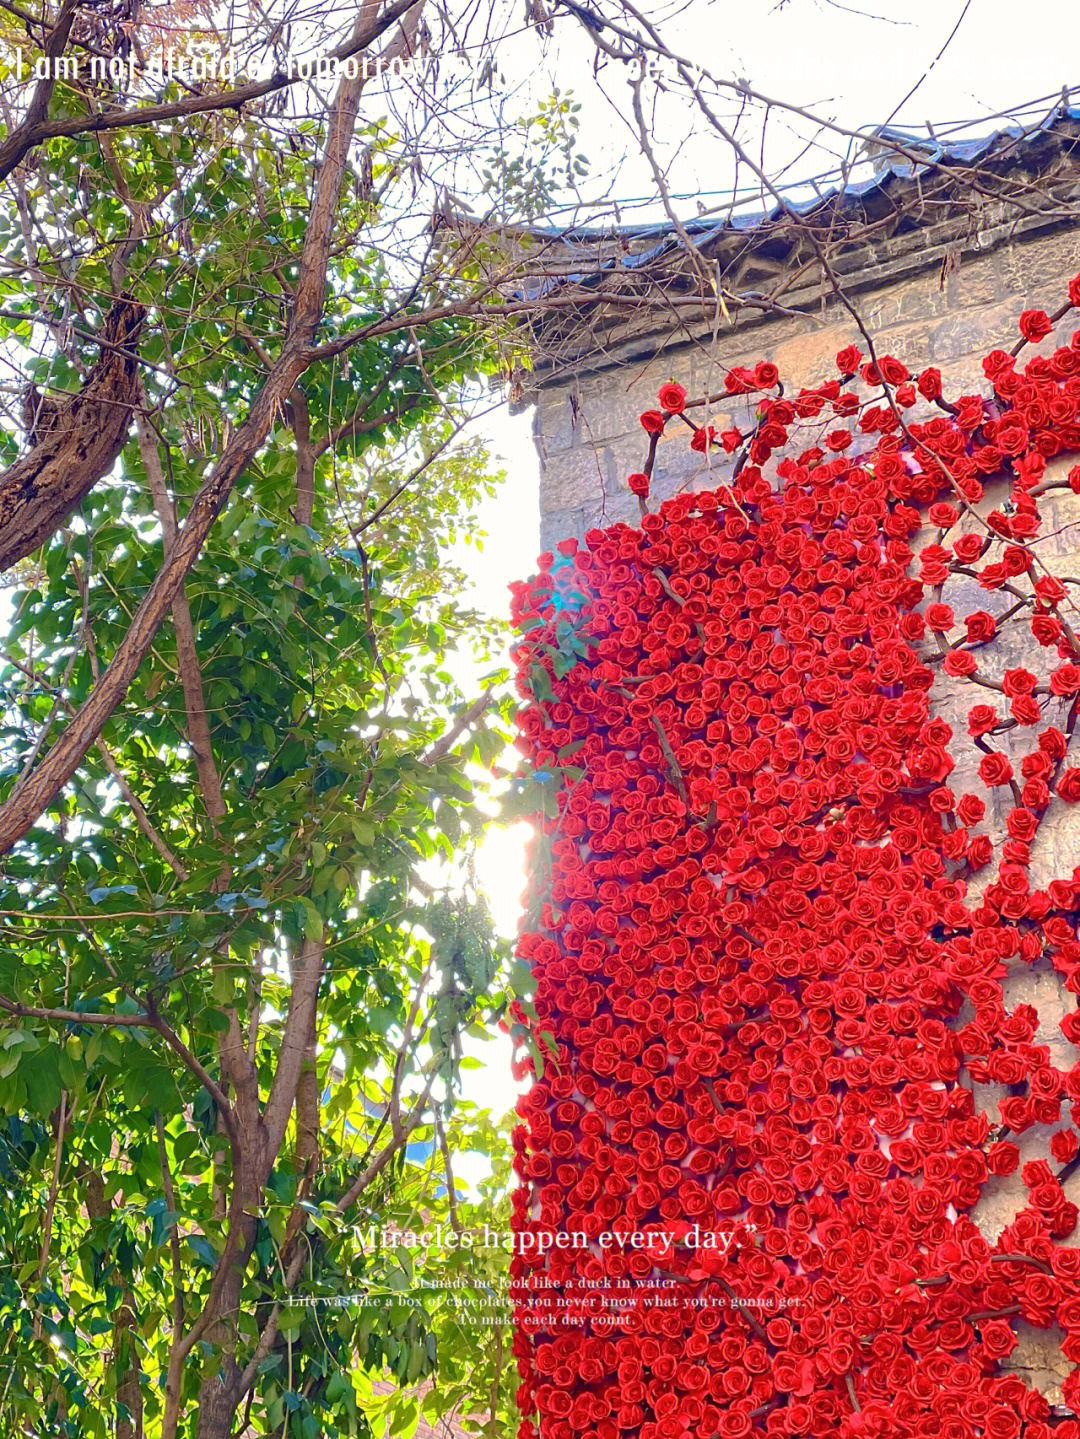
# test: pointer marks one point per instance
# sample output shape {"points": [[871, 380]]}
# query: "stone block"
{"points": [[1038, 1359], [554, 426], [925, 298], [809, 358], [976, 282], [974, 332], [567, 419], [569, 481], [1038, 270], [562, 525]]}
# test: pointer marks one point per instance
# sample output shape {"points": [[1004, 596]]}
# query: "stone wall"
{"points": [[586, 425], [588, 438]]}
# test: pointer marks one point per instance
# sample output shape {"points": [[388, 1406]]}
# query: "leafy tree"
{"points": [[241, 776]]}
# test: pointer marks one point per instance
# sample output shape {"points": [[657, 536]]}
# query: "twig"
{"points": [[174, 1231], [451, 1191], [669, 755], [751, 1319]]}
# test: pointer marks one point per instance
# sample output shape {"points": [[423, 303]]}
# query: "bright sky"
{"points": [[958, 63], [821, 54]]}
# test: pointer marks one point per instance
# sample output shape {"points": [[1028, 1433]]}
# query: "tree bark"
{"points": [[125, 1323], [77, 444], [220, 1393]]}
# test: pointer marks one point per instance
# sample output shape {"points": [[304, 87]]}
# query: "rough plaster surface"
{"points": [[588, 438]]}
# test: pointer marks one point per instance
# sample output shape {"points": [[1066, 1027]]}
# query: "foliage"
{"points": [[176, 889], [526, 173]]}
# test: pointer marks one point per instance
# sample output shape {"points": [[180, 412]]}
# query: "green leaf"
{"points": [[311, 921], [540, 681], [203, 1250]]}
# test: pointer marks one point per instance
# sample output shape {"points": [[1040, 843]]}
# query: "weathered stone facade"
{"points": [[586, 421], [589, 439]]}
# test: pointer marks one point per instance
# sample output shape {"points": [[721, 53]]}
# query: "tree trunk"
{"points": [[220, 1393], [75, 442], [219, 1399]]}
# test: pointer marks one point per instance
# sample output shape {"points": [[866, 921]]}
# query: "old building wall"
{"points": [[586, 425], [589, 438]]}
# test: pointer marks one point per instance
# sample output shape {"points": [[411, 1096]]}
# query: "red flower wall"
{"points": [[761, 984]]}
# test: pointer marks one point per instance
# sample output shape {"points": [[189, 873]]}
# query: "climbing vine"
{"points": [[778, 900]]}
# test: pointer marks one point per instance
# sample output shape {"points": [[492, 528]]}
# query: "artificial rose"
{"points": [[847, 360], [672, 398], [762, 980], [1035, 325], [929, 383], [995, 769], [766, 375]]}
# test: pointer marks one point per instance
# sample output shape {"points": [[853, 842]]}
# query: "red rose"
{"points": [[893, 371], [652, 422], [995, 769], [1022, 825], [960, 664], [1068, 785], [970, 809], [739, 380], [998, 363], [672, 398], [929, 383], [1065, 680], [998, 1340], [982, 719], [1035, 325], [703, 439], [1016, 1112], [1064, 1145], [847, 360], [1018, 682], [1011, 434], [766, 375], [939, 617], [639, 483], [1049, 589], [1054, 744], [980, 850], [981, 627], [1046, 629], [967, 547]]}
